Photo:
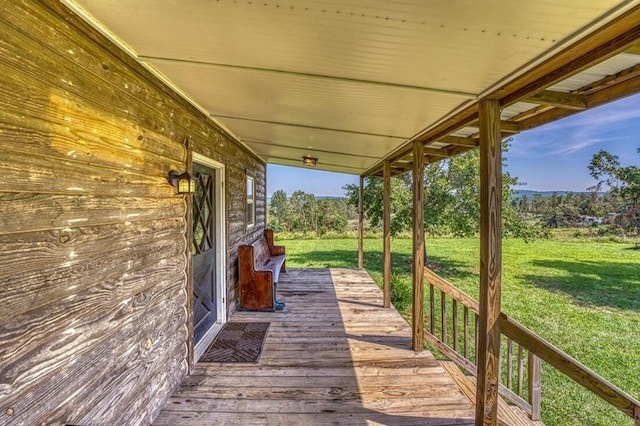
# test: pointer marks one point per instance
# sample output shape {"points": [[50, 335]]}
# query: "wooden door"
{"points": [[205, 299]]}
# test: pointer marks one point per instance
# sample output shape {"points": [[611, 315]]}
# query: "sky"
{"points": [[553, 157]]}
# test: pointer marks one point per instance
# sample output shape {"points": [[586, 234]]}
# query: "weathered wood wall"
{"points": [[93, 319]]}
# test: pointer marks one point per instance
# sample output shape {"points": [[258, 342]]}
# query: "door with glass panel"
{"points": [[205, 248]]}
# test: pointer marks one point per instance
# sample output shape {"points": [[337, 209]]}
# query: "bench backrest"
{"points": [[261, 252]]}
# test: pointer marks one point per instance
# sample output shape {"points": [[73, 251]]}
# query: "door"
{"points": [[207, 248]]}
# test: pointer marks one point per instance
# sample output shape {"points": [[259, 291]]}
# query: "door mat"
{"points": [[237, 342]]}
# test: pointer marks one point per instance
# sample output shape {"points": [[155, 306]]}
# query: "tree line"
{"points": [[303, 212], [614, 199], [568, 210], [452, 206]]}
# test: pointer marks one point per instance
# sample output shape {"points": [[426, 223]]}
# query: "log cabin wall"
{"points": [[93, 317]]}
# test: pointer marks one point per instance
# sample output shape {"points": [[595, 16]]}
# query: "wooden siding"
{"points": [[93, 319], [334, 355]]}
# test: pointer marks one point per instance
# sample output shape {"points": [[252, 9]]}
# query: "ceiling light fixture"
{"points": [[309, 160]]}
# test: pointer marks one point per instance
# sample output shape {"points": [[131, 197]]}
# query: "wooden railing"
{"points": [[520, 356], [520, 372]]}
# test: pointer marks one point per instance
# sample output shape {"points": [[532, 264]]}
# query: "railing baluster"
{"points": [[509, 361], [443, 316], [475, 342], [520, 370], [432, 312], [465, 325], [535, 385], [454, 313]]}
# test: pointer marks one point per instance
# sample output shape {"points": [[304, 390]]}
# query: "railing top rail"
{"points": [[451, 290], [570, 366]]}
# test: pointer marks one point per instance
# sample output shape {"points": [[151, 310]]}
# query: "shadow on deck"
{"points": [[333, 356]]}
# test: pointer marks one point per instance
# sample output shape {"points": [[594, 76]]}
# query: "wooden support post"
{"points": [[418, 247], [534, 368], [386, 213], [488, 350], [361, 225]]}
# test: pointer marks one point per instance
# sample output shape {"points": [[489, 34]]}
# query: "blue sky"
{"points": [[551, 157]]}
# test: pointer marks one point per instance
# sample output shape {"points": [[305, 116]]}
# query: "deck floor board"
{"points": [[333, 356]]}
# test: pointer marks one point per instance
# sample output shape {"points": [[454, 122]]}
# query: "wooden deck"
{"points": [[333, 356]]}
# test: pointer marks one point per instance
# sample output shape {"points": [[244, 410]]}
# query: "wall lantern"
{"points": [[309, 160], [182, 182]]}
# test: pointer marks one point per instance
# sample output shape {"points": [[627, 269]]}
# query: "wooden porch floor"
{"points": [[333, 356]]}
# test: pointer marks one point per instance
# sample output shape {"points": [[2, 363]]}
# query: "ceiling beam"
{"points": [[529, 113], [557, 99], [527, 118], [612, 79], [602, 44], [509, 126], [436, 152], [459, 141], [306, 126], [634, 48], [611, 93], [624, 88], [333, 78]]}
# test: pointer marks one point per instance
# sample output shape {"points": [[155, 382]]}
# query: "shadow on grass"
{"points": [[594, 284], [324, 259], [400, 262]]}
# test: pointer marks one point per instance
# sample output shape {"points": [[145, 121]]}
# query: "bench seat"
{"points": [[274, 264]]}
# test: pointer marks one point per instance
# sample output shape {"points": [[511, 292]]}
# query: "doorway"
{"points": [[208, 252]]}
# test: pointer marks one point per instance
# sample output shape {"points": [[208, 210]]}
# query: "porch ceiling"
{"points": [[352, 82]]}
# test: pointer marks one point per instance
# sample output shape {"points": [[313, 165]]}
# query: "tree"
{"points": [[302, 213], [278, 211], [372, 202], [538, 204], [452, 199], [524, 206], [623, 181], [332, 215]]}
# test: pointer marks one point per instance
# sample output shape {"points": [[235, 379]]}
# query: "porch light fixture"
{"points": [[309, 160], [182, 182]]}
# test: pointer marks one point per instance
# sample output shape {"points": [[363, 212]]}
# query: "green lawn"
{"points": [[583, 297]]}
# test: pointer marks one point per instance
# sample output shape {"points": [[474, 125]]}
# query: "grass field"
{"points": [[583, 297]]}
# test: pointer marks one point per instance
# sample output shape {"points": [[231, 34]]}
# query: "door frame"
{"points": [[221, 259]]}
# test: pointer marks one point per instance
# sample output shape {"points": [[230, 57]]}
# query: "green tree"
{"points": [[538, 204], [332, 215], [523, 205], [372, 202], [302, 214], [624, 182], [278, 211], [452, 200]]}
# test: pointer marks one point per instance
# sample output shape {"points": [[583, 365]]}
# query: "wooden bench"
{"points": [[259, 266]]}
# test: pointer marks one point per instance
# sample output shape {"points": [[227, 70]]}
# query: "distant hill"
{"points": [[519, 193]]}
